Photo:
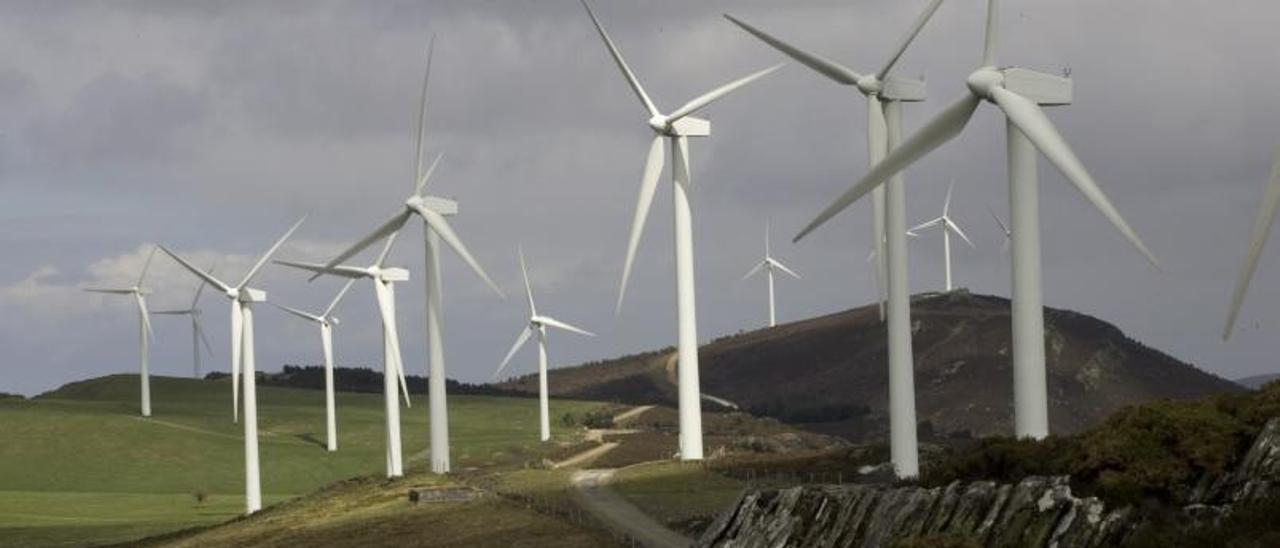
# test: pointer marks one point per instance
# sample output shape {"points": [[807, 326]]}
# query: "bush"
{"points": [[598, 419]]}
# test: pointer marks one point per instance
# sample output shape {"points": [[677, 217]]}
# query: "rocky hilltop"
{"points": [[1035, 512]]}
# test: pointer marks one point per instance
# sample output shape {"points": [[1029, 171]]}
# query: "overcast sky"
{"points": [[211, 126]]}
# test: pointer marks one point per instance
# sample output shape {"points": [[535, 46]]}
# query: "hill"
{"points": [[78, 466], [1257, 381], [830, 374]]}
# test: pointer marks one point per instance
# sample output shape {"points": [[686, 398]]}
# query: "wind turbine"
{"points": [[538, 324], [197, 329], [433, 211], [768, 265], [1261, 229], [145, 335], [243, 298], [678, 127], [1018, 93], [948, 226], [885, 95], [326, 320], [392, 370]]}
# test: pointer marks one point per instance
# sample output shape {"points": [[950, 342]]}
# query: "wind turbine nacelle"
{"points": [[690, 126], [1045, 89], [902, 89], [251, 295], [395, 274], [443, 206]]}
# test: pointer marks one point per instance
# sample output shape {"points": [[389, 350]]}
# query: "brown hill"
{"points": [[830, 374]]}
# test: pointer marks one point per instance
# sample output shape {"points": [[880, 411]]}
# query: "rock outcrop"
{"points": [[1035, 512]]}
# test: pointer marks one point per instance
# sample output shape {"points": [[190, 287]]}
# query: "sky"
{"points": [[210, 127]]}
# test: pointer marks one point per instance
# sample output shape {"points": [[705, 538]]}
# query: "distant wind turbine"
{"points": [[768, 265], [1261, 229], [197, 328], [326, 321], [1018, 93], [242, 299], [1004, 229], [948, 226], [433, 211], [677, 127], [392, 368], [537, 325], [145, 335]]}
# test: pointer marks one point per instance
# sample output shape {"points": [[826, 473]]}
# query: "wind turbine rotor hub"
{"points": [[660, 124], [870, 85], [413, 202], [983, 80]]}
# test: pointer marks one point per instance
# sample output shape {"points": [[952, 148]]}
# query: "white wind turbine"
{"points": [[197, 328], [435, 228], [677, 126], [1004, 229], [242, 299], [885, 95], [948, 226], [1018, 93], [326, 320], [768, 265], [1261, 229], [537, 325], [145, 335], [392, 370]]}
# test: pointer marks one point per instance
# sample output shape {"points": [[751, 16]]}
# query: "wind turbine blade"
{"points": [[941, 129], [755, 269], [520, 340], [389, 326], [824, 66], [924, 225], [171, 312], [267, 256], [1036, 126], [390, 227], [204, 339], [145, 266], [422, 117], [784, 268], [207, 277], [648, 186], [547, 320], [622, 64], [711, 96], [319, 269], [146, 317], [1261, 229], [438, 223], [528, 288], [993, 34], [766, 238], [426, 176], [916, 27], [196, 300], [386, 248], [298, 313], [112, 291], [338, 298], [948, 224], [1003, 228], [237, 334], [946, 205]]}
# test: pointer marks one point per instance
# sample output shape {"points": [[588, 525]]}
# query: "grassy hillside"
{"points": [[78, 465], [830, 373]]}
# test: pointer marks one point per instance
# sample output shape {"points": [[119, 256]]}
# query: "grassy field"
{"points": [[78, 466]]}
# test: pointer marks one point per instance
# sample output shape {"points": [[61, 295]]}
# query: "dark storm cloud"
{"points": [[209, 126]]}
